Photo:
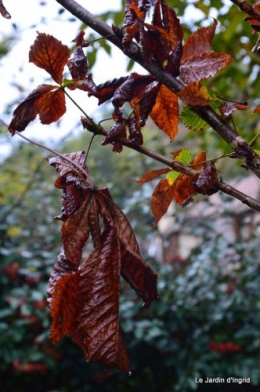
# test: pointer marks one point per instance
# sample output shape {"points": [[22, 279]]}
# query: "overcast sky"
{"points": [[15, 70]]}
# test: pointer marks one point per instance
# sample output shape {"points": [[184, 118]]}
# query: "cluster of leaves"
{"points": [[3, 11], [181, 187], [84, 292]]}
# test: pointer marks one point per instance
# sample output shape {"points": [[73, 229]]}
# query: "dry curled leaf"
{"points": [[93, 280]]}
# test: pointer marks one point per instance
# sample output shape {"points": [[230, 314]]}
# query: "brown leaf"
{"points": [[72, 198], [84, 295], [79, 39], [50, 106], [65, 305], [199, 42], [135, 134], [229, 107], [72, 171], [134, 269], [3, 11], [195, 94], [203, 66], [165, 112], [152, 174], [117, 130], [75, 231], [63, 297], [99, 320], [143, 101], [78, 65], [133, 20], [50, 54], [29, 108], [185, 186], [161, 199], [207, 182], [105, 91]]}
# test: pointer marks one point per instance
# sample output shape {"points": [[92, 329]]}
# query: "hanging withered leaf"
{"points": [[207, 181], [78, 65], [46, 100], [3, 11], [92, 280]]}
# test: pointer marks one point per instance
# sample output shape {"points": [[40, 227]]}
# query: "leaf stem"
{"points": [[81, 172]]}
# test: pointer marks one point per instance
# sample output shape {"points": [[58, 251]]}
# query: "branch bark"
{"points": [[177, 166], [247, 8], [242, 149]]}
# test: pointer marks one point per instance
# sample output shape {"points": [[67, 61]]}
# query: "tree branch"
{"points": [[242, 149], [247, 8], [177, 166]]}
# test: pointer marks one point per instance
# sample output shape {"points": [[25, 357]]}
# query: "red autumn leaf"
{"points": [[50, 54], [165, 112], [79, 39], [199, 42], [161, 198], [65, 305], [203, 66], [49, 104], [152, 174], [195, 94], [257, 110], [182, 189], [184, 186]]}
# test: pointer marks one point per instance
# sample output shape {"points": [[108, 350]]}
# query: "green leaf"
{"points": [[183, 157], [192, 121]]}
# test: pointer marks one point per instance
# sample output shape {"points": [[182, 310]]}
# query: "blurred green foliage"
{"points": [[210, 299]]}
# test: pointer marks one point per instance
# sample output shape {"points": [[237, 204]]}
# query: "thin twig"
{"points": [[177, 166], [81, 172]]}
